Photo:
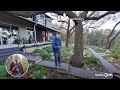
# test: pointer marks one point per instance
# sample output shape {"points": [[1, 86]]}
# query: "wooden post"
{"points": [[1, 39], [35, 32], [18, 36]]}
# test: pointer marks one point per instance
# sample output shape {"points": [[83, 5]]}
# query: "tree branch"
{"points": [[71, 33], [113, 29], [115, 36], [63, 28], [63, 21], [91, 14], [72, 28], [97, 18]]}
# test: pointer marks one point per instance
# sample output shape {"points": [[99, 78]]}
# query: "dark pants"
{"points": [[57, 58]]}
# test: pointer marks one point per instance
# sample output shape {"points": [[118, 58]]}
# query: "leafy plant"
{"points": [[48, 49], [115, 55], [39, 72], [92, 59], [66, 52], [46, 56], [99, 49], [2, 70], [44, 53]]}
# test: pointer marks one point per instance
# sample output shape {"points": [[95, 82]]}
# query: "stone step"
{"points": [[5, 56], [10, 49]]}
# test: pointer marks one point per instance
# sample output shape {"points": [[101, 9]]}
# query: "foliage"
{"points": [[97, 38], [39, 71], [2, 70], [92, 58], [67, 51], [17, 41], [45, 52], [85, 47], [98, 49], [48, 49], [40, 51], [115, 55], [46, 56], [115, 49]]}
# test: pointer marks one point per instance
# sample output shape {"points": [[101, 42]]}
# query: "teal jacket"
{"points": [[56, 45]]}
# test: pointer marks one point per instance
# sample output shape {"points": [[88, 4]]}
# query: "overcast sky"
{"points": [[107, 25]]}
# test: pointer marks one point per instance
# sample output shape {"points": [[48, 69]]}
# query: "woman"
{"points": [[16, 67]]}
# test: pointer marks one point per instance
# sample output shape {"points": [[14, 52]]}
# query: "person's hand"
{"points": [[13, 68], [60, 46]]}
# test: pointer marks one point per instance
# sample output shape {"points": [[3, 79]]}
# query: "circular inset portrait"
{"points": [[17, 65]]}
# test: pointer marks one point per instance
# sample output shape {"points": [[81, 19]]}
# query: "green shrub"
{"points": [[39, 51], [92, 59], [48, 49], [115, 55], [2, 70], [39, 72], [43, 53], [84, 46], [66, 52], [34, 66], [46, 56], [98, 49]]}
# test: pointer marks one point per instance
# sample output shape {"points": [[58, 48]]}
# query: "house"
{"points": [[15, 28], [17, 31]]}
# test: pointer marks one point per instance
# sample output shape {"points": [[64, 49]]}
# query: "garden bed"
{"points": [[112, 57], [90, 62]]}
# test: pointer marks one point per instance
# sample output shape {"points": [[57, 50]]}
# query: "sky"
{"points": [[107, 25]]}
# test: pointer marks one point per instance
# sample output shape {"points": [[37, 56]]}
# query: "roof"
{"points": [[38, 24], [25, 19]]}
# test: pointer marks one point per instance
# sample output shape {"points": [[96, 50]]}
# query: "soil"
{"points": [[97, 66]]}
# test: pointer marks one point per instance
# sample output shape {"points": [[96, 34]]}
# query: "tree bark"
{"points": [[67, 41], [78, 48], [68, 34]]}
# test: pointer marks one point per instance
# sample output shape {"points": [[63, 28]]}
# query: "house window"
{"points": [[14, 34], [8, 34], [30, 35]]}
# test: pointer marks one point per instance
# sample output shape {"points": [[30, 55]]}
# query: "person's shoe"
{"points": [[56, 66], [60, 65]]}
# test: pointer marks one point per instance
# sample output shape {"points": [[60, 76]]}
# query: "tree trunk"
{"points": [[68, 34], [78, 48], [67, 39]]}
